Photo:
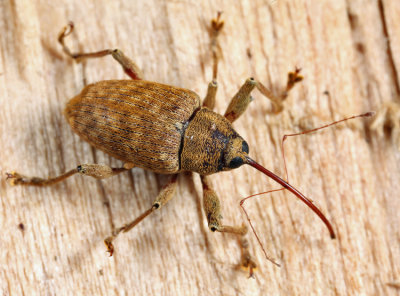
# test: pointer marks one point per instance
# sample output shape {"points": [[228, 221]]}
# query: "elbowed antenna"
{"points": [[294, 191]]}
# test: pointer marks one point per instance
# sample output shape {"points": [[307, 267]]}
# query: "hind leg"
{"points": [[127, 64], [98, 171]]}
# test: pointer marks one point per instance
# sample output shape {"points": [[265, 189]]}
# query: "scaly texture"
{"points": [[139, 122]]}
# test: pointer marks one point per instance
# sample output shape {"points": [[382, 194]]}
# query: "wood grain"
{"points": [[52, 238]]}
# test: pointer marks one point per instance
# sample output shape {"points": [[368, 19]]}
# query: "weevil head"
{"points": [[211, 145]]}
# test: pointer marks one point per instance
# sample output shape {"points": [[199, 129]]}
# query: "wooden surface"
{"points": [[52, 238]]}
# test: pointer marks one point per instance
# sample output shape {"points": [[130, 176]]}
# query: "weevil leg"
{"points": [[15, 178], [242, 98], [163, 197], [240, 101], [127, 64], [209, 100], [212, 210], [277, 98], [98, 171], [216, 26]]}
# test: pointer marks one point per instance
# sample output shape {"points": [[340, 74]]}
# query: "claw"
{"points": [[66, 31], [9, 175], [14, 178], [293, 78], [249, 265], [251, 272], [217, 24], [109, 245]]}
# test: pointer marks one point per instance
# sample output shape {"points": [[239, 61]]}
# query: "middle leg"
{"points": [[163, 197], [216, 26]]}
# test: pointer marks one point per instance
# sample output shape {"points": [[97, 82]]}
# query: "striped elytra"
{"points": [[139, 122]]}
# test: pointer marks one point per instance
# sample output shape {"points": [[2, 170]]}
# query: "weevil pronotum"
{"points": [[167, 130]]}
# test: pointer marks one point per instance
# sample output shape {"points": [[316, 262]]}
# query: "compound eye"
{"points": [[245, 147], [236, 162]]}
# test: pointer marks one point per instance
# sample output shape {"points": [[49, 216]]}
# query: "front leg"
{"points": [[212, 209], [242, 99]]}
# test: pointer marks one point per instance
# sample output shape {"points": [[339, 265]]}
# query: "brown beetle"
{"points": [[167, 130]]}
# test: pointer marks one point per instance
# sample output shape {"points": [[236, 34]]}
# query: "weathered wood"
{"points": [[349, 52]]}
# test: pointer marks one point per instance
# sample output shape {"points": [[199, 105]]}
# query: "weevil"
{"points": [[167, 130]]}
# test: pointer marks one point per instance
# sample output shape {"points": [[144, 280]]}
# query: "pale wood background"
{"points": [[349, 49]]}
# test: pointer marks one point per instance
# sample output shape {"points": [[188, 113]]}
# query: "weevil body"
{"points": [[167, 130], [156, 127]]}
